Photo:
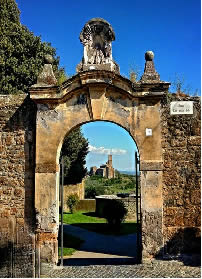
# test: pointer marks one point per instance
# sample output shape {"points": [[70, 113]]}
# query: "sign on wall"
{"points": [[181, 107]]}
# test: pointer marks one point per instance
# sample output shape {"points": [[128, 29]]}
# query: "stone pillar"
{"points": [[46, 177], [152, 205]]}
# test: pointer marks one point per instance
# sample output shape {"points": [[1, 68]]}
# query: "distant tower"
{"points": [[110, 173], [110, 160]]}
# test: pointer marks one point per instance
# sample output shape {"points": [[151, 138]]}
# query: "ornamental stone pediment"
{"points": [[99, 78]]}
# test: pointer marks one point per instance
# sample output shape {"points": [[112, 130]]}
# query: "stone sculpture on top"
{"points": [[97, 36]]}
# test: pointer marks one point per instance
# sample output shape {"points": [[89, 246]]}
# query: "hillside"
{"points": [[97, 185]]}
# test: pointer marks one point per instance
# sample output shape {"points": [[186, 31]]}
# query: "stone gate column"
{"points": [[152, 208], [46, 172]]}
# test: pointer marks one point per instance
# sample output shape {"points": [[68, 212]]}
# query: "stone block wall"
{"points": [[17, 154], [86, 205], [73, 189], [181, 185], [181, 143]]}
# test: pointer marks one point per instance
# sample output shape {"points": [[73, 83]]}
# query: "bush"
{"points": [[115, 213], [92, 191], [72, 201]]}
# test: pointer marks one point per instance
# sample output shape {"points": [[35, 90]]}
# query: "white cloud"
{"points": [[103, 150]]}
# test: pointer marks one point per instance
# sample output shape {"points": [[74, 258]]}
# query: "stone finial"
{"points": [[46, 78], [97, 36], [149, 55], [150, 74]]}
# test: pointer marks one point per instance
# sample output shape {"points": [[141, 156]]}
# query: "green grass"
{"points": [[89, 221], [70, 244], [82, 217], [67, 251]]}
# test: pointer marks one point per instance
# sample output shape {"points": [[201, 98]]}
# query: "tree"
{"points": [[180, 86], [115, 213], [21, 53], [134, 72], [74, 150]]}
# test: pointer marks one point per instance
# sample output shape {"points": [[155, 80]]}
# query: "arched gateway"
{"points": [[98, 92]]}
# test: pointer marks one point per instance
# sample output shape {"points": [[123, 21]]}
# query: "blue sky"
{"points": [[108, 138], [171, 29]]}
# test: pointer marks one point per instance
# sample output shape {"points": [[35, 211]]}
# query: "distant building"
{"points": [[106, 170]]}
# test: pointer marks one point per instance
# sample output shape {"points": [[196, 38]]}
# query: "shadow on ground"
{"points": [[184, 246], [100, 249]]}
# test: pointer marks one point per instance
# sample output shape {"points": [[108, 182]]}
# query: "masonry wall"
{"points": [[17, 137], [181, 143], [181, 183], [73, 189]]}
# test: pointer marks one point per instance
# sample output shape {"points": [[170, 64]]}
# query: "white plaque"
{"points": [[148, 132], [181, 107]]}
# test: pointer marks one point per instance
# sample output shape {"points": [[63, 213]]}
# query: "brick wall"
{"points": [[181, 179], [17, 136]]}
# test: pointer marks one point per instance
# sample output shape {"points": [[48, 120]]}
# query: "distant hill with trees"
{"points": [[96, 185]]}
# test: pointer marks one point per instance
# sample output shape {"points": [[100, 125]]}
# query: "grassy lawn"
{"points": [[70, 243], [89, 221]]}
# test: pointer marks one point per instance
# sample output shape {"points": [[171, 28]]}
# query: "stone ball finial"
{"points": [[149, 55], [48, 59]]}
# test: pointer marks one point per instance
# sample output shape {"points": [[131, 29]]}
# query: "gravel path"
{"points": [[155, 269], [103, 256]]}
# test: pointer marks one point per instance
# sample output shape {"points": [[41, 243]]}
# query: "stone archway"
{"points": [[90, 96], [98, 92]]}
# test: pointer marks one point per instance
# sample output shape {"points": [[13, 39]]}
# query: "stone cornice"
{"points": [[94, 78]]}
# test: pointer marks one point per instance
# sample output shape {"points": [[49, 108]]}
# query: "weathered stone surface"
{"points": [[150, 74], [181, 178], [29, 169], [97, 36], [46, 77], [73, 189], [16, 186]]}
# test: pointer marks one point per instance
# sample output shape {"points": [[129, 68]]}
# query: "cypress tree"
{"points": [[21, 52], [74, 150]]}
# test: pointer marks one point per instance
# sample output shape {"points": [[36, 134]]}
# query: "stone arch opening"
{"points": [[130, 202], [94, 121]]}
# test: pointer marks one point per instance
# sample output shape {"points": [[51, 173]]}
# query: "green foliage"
{"points": [[92, 191], [112, 181], [98, 185], [115, 213], [117, 174], [21, 53], [72, 201], [74, 150]]}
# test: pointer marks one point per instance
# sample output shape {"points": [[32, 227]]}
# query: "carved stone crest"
{"points": [[97, 36]]}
